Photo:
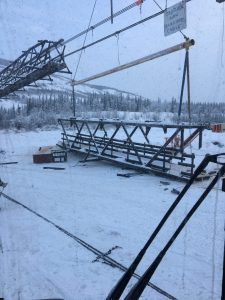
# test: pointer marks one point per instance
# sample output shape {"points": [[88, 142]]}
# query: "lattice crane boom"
{"points": [[39, 61]]}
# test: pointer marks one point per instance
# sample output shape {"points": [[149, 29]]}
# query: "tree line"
{"points": [[44, 109]]}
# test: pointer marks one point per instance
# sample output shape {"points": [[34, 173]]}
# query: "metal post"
{"points": [[111, 6], [74, 101], [200, 139], [182, 85], [188, 86], [182, 143], [223, 280]]}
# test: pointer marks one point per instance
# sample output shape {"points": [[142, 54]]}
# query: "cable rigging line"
{"points": [[118, 13], [115, 33], [107, 259], [89, 23], [119, 32], [79, 60], [223, 23]]}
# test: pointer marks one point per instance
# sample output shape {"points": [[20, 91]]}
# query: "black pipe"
{"points": [[111, 7], [223, 280], [117, 291], [139, 287]]}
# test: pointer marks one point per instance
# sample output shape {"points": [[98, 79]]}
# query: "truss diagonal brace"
{"points": [[164, 146]]}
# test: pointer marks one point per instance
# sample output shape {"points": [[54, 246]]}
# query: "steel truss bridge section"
{"points": [[38, 62], [130, 144]]}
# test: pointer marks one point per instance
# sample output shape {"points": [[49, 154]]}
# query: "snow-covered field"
{"points": [[90, 201]]}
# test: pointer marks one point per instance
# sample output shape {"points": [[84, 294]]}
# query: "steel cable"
{"points": [[125, 9], [108, 260]]}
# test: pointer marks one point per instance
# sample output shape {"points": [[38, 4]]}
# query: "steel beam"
{"points": [[139, 61], [146, 124]]}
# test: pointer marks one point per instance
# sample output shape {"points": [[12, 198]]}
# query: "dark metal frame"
{"points": [[139, 287], [93, 138], [186, 73], [36, 63], [223, 279]]}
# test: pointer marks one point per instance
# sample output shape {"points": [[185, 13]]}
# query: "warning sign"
{"points": [[175, 18]]}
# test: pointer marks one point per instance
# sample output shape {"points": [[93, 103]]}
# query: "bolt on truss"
{"points": [[38, 62], [130, 144]]}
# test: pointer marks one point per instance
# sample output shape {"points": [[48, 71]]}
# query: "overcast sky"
{"points": [[23, 22]]}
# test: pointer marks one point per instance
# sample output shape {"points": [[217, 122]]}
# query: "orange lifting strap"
{"points": [[139, 2]]}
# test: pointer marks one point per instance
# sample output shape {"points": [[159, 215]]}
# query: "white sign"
{"points": [[175, 18]]}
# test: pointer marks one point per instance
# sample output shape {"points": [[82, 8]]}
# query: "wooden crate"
{"points": [[49, 154]]}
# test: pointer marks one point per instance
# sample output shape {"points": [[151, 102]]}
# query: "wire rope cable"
{"points": [[125, 9], [215, 211], [222, 38], [115, 33], [107, 259], [89, 23]]}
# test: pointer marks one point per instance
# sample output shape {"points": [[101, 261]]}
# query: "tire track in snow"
{"points": [[49, 285]]}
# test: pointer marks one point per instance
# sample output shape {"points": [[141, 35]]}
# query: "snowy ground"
{"points": [[90, 201]]}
